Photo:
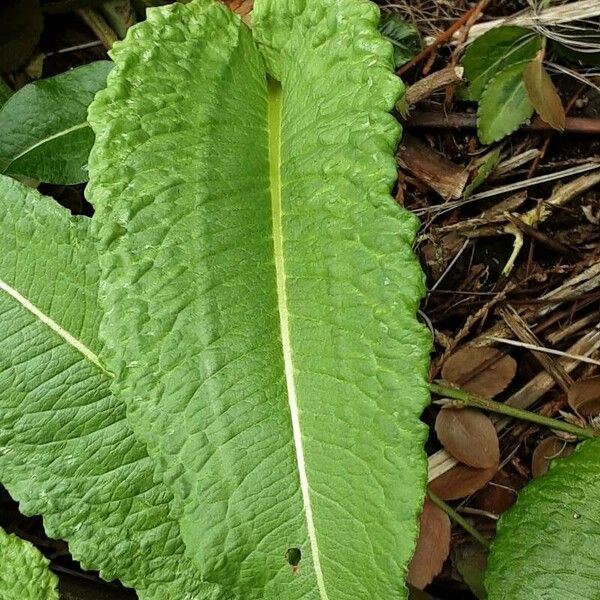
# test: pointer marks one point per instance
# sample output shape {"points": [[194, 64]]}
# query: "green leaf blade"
{"points": [[404, 36], [264, 292], [504, 106], [43, 127], [24, 573], [67, 451], [546, 544], [493, 52]]}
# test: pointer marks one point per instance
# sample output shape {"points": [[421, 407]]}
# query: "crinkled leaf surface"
{"points": [[43, 127], [547, 543], [504, 106], [66, 450], [260, 291], [24, 573], [494, 51]]}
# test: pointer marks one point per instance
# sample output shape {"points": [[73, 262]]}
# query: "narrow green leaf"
{"points": [[493, 52], [504, 106], [261, 291], [404, 36], [485, 169], [24, 573], [43, 127], [66, 450], [547, 543]]}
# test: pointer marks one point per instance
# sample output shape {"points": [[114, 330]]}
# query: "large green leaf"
{"points": [[260, 291], [494, 51], [43, 127], [66, 451], [547, 543], [24, 573]]}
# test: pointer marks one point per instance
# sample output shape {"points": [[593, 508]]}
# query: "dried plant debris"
{"points": [[461, 481], [468, 435], [433, 546], [584, 397], [546, 451], [482, 371]]}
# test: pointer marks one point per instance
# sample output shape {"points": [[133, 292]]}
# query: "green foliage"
{"points": [[44, 133], [404, 36], [494, 65], [5, 92], [547, 543], [504, 106], [24, 573], [493, 52], [485, 169], [21, 24], [260, 291], [67, 450]]}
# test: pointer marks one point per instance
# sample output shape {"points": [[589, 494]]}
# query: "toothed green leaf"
{"points": [[44, 133], [493, 52], [24, 573], [504, 106], [66, 450], [547, 543], [260, 291]]}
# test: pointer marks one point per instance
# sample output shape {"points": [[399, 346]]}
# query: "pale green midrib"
{"points": [[55, 136], [274, 133], [70, 339]]}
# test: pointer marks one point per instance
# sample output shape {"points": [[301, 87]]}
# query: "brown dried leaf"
{"points": [[241, 7], [547, 450], [461, 481], [483, 371], [584, 397], [543, 95], [499, 494], [433, 546], [469, 436]]}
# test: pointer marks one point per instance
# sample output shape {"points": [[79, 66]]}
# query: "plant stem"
{"points": [[468, 399], [458, 519]]}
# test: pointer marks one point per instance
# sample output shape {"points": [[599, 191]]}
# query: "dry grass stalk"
{"points": [[549, 17]]}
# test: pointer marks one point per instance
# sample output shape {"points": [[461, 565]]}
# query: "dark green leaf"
{"points": [[493, 52], [21, 25], [571, 56], [489, 163], [403, 35], [504, 106], [5, 92], [43, 127], [547, 543]]}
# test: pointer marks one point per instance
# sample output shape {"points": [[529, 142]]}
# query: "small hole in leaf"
{"points": [[293, 556]]}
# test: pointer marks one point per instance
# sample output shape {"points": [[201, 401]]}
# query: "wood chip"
{"points": [[546, 451], [461, 481], [482, 371], [469, 435], [433, 546], [584, 397], [432, 168]]}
